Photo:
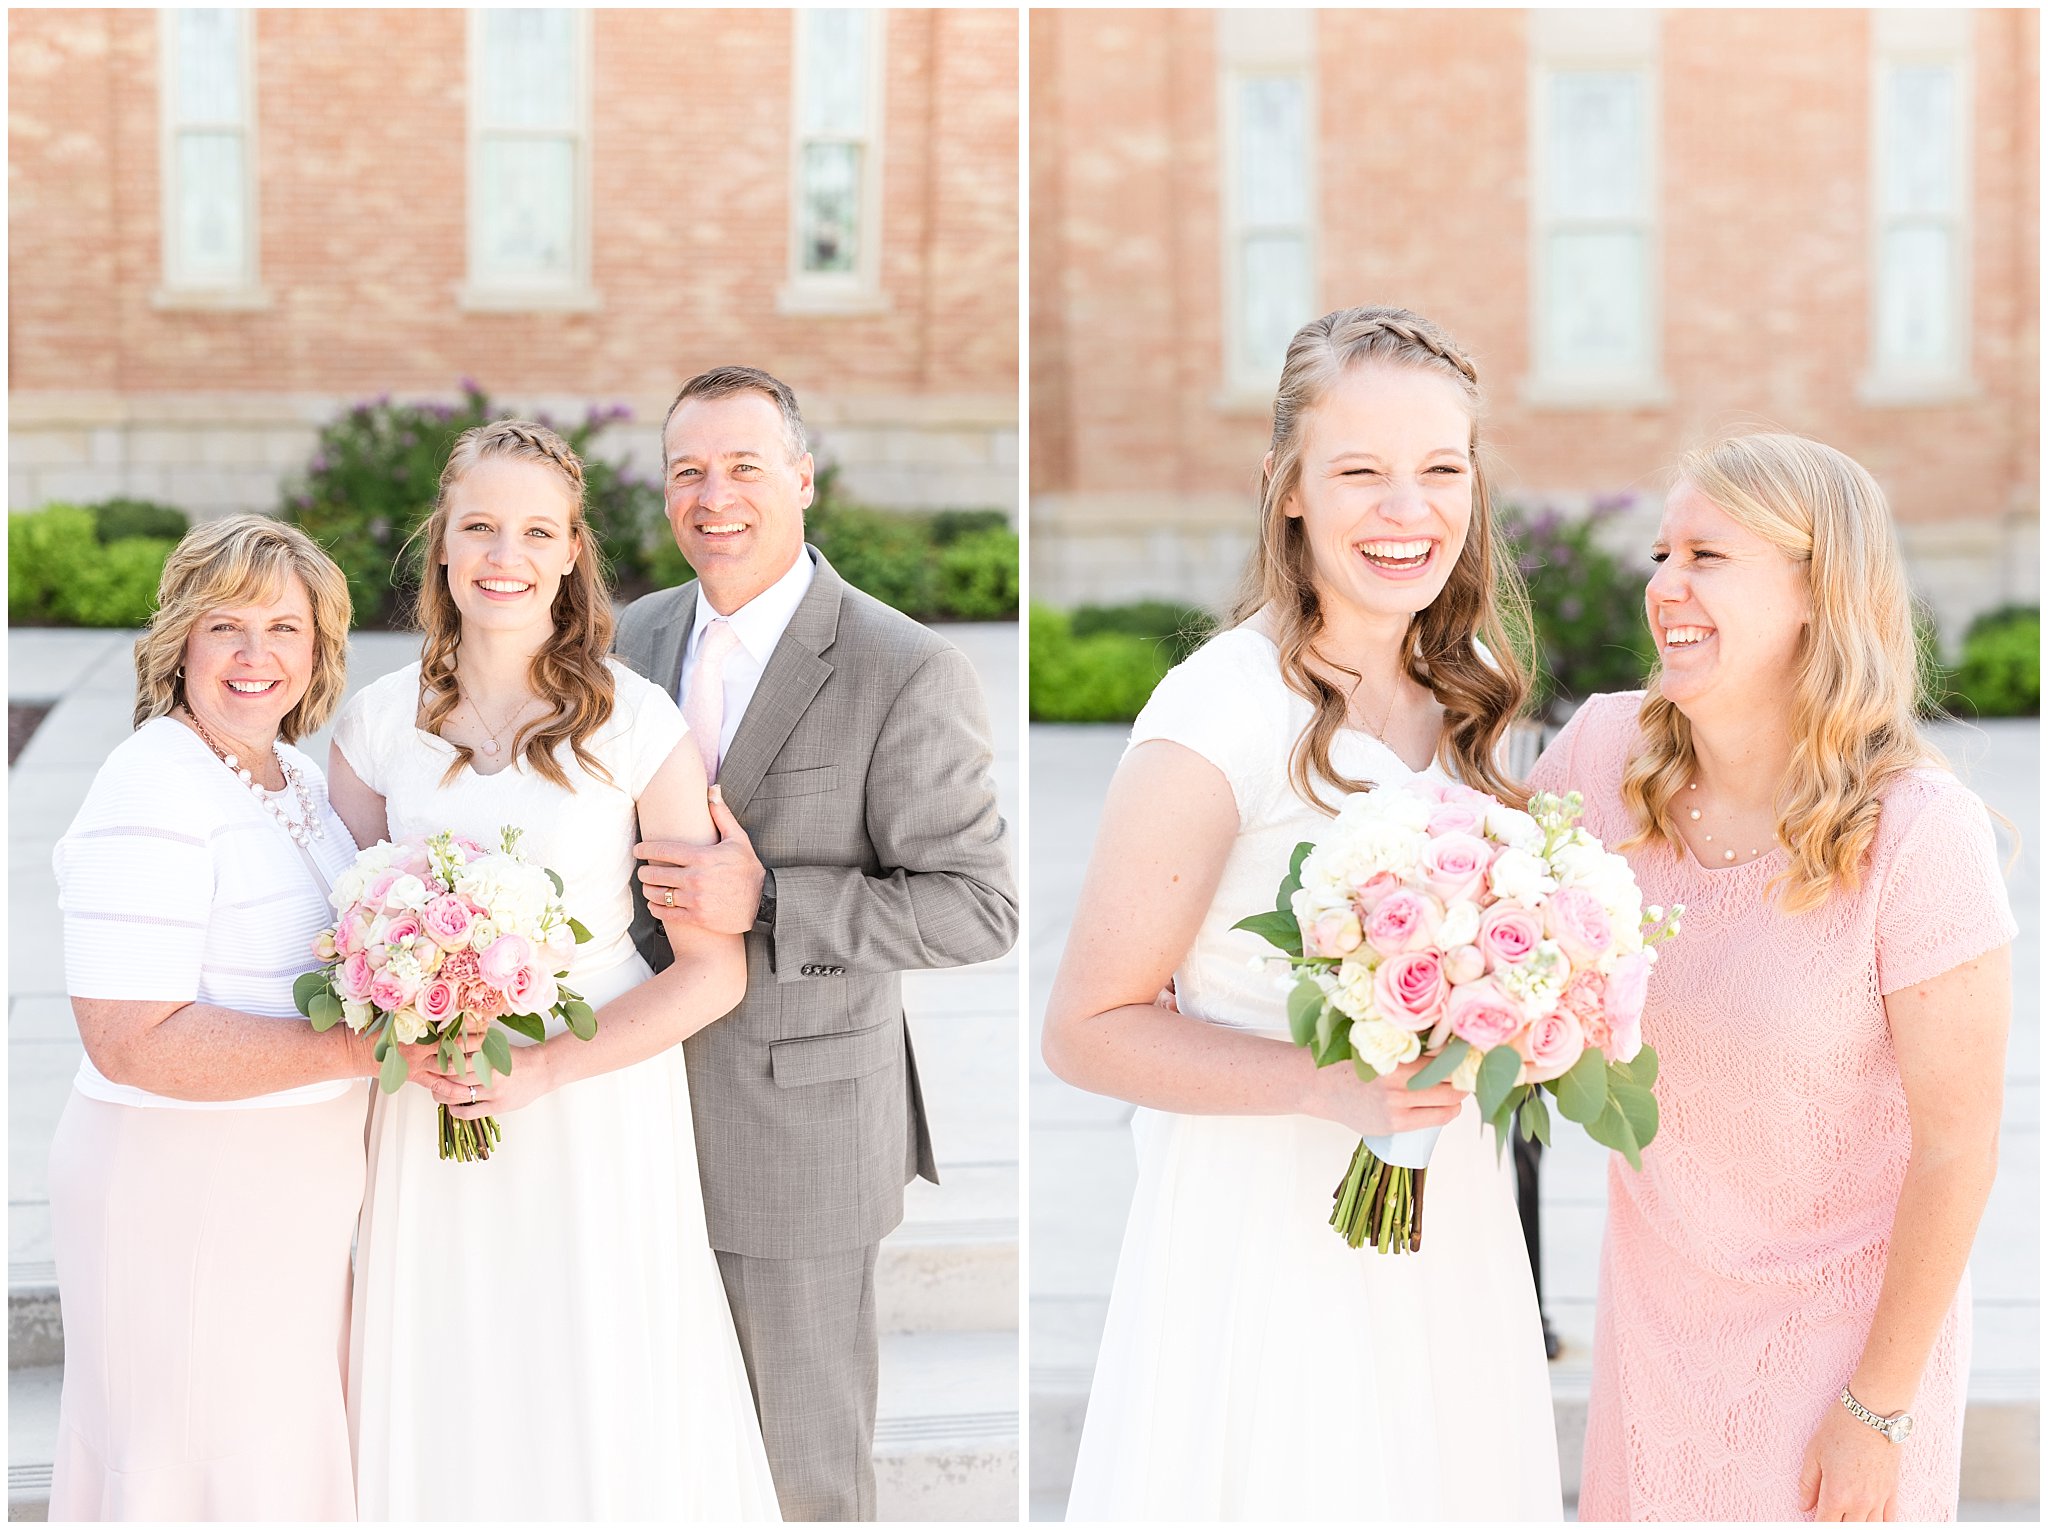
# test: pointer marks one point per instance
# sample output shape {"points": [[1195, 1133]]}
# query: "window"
{"points": [[835, 207], [1269, 191], [1593, 101], [209, 160], [529, 169], [1920, 252]]}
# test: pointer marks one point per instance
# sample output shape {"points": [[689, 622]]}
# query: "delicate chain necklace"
{"points": [[1386, 717], [307, 826], [1694, 814], [491, 745]]}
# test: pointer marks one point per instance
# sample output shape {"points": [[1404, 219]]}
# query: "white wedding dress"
{"points": [[544, 1335], [1252, 1365]]}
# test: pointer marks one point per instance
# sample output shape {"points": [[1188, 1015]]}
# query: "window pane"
{"points": [[210, 228], [830, 206], [835, 73], [1272, 152], [1595, 312], [529, 69], [527, 208], [1275, 298], [209, 64], [1920, 160], [1916, 298], [1595, 154]]}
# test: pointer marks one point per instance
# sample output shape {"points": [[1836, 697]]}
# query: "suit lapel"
{"points": [[665, 664], [796, 672]]}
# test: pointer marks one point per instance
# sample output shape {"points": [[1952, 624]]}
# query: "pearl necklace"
{"points": [[308, 826], [1694, 814]]}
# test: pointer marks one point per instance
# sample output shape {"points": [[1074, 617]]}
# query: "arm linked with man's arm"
{"points": [[946, 894]]}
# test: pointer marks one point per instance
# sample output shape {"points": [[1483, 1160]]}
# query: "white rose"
{"points": [[1465, 1077], [1520, 877], [1350, 989], [1384, 1046], [1460, 926], [357, 1013], [482, 933], [408, 892], [1513, 827], [1370, 846], [408, 1025]]}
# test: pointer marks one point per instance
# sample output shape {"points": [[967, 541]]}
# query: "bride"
{"points": [[1252, 1365], [543, 1335]]}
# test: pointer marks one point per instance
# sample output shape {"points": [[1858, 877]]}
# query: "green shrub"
{"points": [[977, 575], [889, 556], [59, 572], [1591, 634], [121, 517], [373, 478], [950, 526], [2000, 671], [1182, 628], [1104, 678]]}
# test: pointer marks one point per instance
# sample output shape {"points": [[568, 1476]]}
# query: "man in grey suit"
{"points": [[853, 745]]}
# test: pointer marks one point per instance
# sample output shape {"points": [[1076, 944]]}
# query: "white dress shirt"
{"points": [[759, 625]]}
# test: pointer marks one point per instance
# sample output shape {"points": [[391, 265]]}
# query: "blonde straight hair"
{"points": [[1480, 602], [1855, 699]]}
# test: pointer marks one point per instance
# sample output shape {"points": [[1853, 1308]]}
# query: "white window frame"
{"points": [[859, 290], [181, 289], [1606, 42], [483, 290], [1250, 45], [1919, 39]]}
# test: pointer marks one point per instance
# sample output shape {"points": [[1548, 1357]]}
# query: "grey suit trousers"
{"points": [[807, 1331]]}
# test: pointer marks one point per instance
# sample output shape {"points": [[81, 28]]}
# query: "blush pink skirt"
{"points": [[203, 1264]]}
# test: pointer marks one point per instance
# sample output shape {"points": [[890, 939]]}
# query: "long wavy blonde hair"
{"points": [[1479, 603], [236, 561], [1854, 721], [570, 669]]}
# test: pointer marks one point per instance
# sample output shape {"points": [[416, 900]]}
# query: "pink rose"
{"points": [[1507, 934], [507, 954], [437, 1002], [412, 860], [1374, 892], [1585, 1000], [531, 992], [1575, 919], [1628, 986], [1457, 818], [1403, 921], [390, 991], [400, 926], [353, 933], [471, 849], [354, 977], [380, 886], [447, 919], [1550, 1047], [1483, 1015], [1409, 990], [1454, 865], [1333, 934]]}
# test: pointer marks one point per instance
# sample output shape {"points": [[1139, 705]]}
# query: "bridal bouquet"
{"points": [[442, 941], [1509, 947]]}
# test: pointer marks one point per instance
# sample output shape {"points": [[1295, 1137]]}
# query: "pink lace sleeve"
{"points": [[1943, 898]]}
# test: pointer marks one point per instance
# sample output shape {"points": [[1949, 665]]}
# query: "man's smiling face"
{"points": [[735, 495]]}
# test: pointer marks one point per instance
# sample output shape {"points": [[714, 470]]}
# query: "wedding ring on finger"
{"points": [[472, 1094], [668, 897]]}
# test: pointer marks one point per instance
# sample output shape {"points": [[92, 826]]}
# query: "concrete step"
{"points": [[946, 1439]]}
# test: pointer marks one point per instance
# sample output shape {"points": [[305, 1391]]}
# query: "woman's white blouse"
{"points": [[177, 886]]}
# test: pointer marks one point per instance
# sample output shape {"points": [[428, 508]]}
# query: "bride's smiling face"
{"points": [[1385, 492], [509, 539]]}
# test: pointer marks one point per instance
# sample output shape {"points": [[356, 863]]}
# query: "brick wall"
{"points": [[1144, 464], [360, 128]]}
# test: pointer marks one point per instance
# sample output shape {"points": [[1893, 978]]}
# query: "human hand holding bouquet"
{"points": [[1510, 948], [442, 942]]}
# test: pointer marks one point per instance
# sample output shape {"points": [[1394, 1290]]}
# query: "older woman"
{"points": [[1783, 1322], [206, 1174]]}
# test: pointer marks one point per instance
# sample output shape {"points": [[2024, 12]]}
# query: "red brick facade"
{"points": [[362, 168], [1143, 459]]}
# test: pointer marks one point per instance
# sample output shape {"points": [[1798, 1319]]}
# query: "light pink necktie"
{"points": [[704, 708]]}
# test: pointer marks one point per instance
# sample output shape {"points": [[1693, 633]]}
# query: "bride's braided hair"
{"points": [[570, 669], [1481, 602]]}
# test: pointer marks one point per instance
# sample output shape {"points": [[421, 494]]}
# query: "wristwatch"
{"points": [[1895, 1428], [764, 915]]}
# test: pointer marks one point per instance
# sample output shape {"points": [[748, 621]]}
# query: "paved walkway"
{"points": [[949, 1279], [1082, 1168]]}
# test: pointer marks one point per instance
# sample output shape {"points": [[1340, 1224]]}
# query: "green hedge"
{"points": [[1999, 674], [60, 572], [1103, 677]]}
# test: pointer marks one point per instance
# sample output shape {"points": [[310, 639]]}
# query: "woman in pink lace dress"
{"points": [[1831, 1022]]}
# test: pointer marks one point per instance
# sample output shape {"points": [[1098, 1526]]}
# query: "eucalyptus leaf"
{"points": [[1582, 1092], [326, 1011], [582, 934], [1326, 1035], [1275, 928], [1292, 885], [1497, 1074], [1538, 1113], [1611, 1129], [582, 1019], [497, 1050], [1304, 1006], [1642, 1068], [552, 877], [392, 1074], [532, 1027], [1443, 1065], [482, 1060], [1366, 1071], [305, 986], [1639, 1106]]}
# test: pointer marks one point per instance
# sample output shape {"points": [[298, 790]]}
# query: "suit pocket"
{"points": [[821, 1059], [798, 783]]}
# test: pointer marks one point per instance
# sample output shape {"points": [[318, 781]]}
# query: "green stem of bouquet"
{"points": [[467, 1141], [1379, 1202]]}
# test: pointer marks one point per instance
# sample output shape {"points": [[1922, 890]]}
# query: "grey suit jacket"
{"points": [[861, 774]]}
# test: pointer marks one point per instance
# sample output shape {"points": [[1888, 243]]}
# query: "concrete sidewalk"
{"points": [[1083, 1168], [947, 1442]]}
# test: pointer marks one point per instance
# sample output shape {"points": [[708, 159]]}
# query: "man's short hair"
{"points": [[725, 382]]}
